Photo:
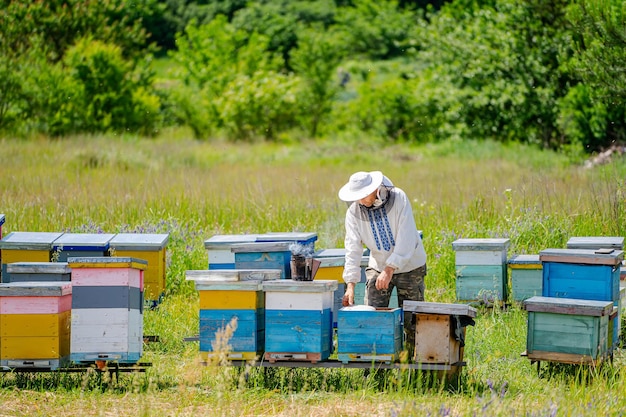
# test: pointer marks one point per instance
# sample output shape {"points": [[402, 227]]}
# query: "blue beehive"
{"points": [[259, 255], [222, 257], [526, 276], [81, 245], [298, 320], [481, 269], [583, 274], [369, 334]]}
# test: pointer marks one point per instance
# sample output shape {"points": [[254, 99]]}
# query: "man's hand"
{"points": [[348, 297], [384, 278]]}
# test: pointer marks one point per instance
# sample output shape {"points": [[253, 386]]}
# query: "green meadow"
{"points": [[193, 190]]}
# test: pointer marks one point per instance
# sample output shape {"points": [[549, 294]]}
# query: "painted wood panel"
{"points": [[33, 325], [299, 331], [231, 300], [35, 305], [480, 257], [40, 347], [369, 335], [81, 245], [476, 283], [232, 275], [582, 281], [249, 334]]}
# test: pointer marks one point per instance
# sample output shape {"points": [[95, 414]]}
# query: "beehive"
{"points": [[440, 331], [26, 247], [273, 255], [107, 309], [481, 270], [369, 334], [35, 324], [81, 245], [567, 330], [526, 276], [298, 319], [219, 247], [38, 271], [151, 247]]}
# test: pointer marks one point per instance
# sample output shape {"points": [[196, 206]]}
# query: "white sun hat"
{"points": [[360, 185]]}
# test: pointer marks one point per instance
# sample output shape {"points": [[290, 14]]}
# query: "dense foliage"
{"points": [[543, 72]]}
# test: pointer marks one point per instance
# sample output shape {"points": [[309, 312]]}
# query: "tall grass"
{"points": [[194, 190]]}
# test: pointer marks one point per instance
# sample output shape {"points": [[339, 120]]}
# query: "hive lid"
{"points": [[301, 237], [206, 285], [481, 244], [439, 308], [606, 256], [139, 241], [222, 275], [261, 247], [224, 241], [525, 260], [38, 268], [106, 262], [289, 285], [29, 240], [568, 306], [595, 242], [83, 241], [35, 288]]}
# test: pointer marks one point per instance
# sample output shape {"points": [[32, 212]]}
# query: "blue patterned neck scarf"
{"points": [[379, 222]]}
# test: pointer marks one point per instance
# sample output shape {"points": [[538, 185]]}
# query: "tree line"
{"points": [[546, 72]]}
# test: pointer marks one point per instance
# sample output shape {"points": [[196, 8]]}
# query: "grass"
{"points": [[193, 190]]}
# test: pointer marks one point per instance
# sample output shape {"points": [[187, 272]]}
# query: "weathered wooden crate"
{"points": [[298, 320], [151, 247], [595, 242], [568, 330], [581, 273], [81, 245], [440, 331], [38, 271], [369, 335], [26, 247], [107, 309], [219, 247], [35, 324], [526, 276], [481, 270]]}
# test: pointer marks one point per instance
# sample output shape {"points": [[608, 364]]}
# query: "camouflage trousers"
{"points": [[409, 286]]}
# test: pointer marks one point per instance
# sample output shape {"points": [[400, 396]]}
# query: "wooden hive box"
{"points": [[227, 295], [481, 269], [595, 242], [107, 309], [298, 320], [567, 330], [440, 332], [219, 247], [526, 276], [273, 255], [35, 322], [151, 247], [81, 245], [26, 247], [369, 334], [38, 271]]}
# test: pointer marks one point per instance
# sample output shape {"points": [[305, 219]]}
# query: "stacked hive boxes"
{"points": [[26, 247], [150, 247], [35, 324], [481, 270], [585, 274], [356, 342], [264, 255], [107, 309], [526, 276], [298, 320], [232, 297]]}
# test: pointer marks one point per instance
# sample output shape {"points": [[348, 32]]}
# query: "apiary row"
{"points": [[572, 295], [54, 322]]}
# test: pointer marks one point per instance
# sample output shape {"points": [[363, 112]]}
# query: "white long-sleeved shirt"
{"points": [[389, 232]]}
